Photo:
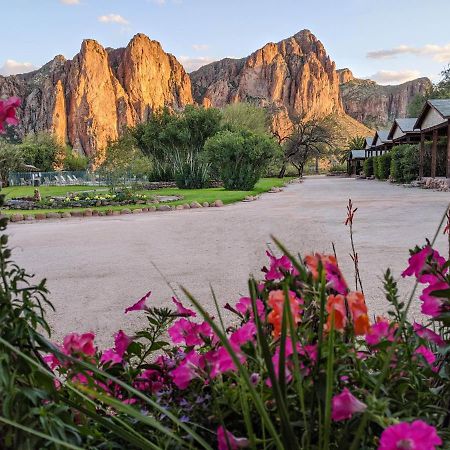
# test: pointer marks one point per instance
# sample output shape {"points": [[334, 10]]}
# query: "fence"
{"points": [[65, 178]]}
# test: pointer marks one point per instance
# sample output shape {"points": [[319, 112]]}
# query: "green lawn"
{"points": [[189, 195]]}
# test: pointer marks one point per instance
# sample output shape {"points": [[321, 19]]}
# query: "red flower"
{"points": [[8, 112]]}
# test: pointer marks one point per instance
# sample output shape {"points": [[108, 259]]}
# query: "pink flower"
{"points": [[428, 334], [115, 355], [52, 361], [418, 264], [379, 331], [335, 278], [344, 405], [189, 332], [432, 306], [187, 369], [76, 343], [140, 304], [428, 355], [243, 334], [278, 267], [244, 306], [181, 310], [416, 435], [8, 112], [227, 441]]}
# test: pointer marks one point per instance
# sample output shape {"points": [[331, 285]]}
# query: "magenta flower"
{"points": [[418, 264], [115, 355], [429, 335], [416, 435], [335, 278], [189, 333], [344, 405], [278, 267], [79, 343], [428, 355], [140, 304], [52, 361], [181, 310], [8, 112], [244, 334], [379, 331], [227, 441], [244, 306], [432, 306], [187, 370]]}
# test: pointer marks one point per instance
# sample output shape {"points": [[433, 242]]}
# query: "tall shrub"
{"points": [[240, 157], [383, 166], [369, 166]]}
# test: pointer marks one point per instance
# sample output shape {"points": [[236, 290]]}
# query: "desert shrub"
{"points": [[73, 161], [191, 171], [240, 157], [410, 163], [369, 164], [338, 168], [382, 166], [245, 116], [41, 150], [396, 163], [11, 160]]}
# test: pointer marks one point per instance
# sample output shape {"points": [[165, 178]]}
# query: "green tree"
{"points": [[245, 116], [356, 143], [241, 157], [11, 160], [73, 161], [41, 150]]}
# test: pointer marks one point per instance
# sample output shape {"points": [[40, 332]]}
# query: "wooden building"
{"points": [[434, 122], [403, 132], [380, 143], [355, 161]]}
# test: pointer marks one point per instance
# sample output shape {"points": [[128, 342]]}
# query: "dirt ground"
{"points": [[97, 266]]}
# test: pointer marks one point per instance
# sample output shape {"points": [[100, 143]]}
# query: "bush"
{"points": [[396, 172], [191, 171], [73, 161], [369, 166], [405, 163], [301, 366], [41, 150], [382, 166], [11, 160], [240, 157]]}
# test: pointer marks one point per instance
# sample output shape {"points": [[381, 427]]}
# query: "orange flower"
{"points": [[276, 302], [312, 263], [358, 310], [336, 303]]}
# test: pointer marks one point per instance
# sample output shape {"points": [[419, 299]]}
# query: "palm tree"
{"points": [[356, 143]]}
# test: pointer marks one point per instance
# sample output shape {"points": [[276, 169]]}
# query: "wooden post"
{"points": [[434, 153], [421, 154], [448, 149]]}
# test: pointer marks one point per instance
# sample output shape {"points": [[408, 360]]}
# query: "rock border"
{"points": [[89, 212]]}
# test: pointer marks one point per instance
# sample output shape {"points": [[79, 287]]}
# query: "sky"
{"points": [[389, 41]]}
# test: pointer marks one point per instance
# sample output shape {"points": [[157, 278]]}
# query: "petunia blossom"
{"points": [[244, 306], [227, 441], [8, 112], [428, 355], [139, 305], [432, 306], [344, 405], [381, 330], [115, 355], [418, 264], [187, 370], [429, 335], [181, 310], [75, 343], [278, 267], [189, 333], [416, 435]]}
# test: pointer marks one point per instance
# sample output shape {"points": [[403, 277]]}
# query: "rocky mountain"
{"points": [[376, 105], [86, 101]]}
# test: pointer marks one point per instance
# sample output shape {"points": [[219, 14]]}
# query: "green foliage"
{"points": [[124, 159], [175, 142], [73, 161], [245, 116], [190, 171], [369, 165], [240, 157], [41, 150], [382, 166], [338, 168], [404, 163], [356, 143], [11, 160]]}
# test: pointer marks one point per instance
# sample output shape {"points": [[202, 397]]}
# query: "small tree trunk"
{"points": [[282, 171], [317, 165]]}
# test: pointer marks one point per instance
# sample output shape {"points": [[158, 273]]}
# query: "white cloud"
{"points": [[393, 76], [439, 53], [200, 47], [70, 2], [12, 67], [113, 18], [193, 63]]}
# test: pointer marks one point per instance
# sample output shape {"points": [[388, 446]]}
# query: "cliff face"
{"points": [[294, 76], [86, 101], [376, 105]]}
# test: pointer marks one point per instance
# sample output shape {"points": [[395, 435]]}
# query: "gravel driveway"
{"points": [[97, 266]]}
